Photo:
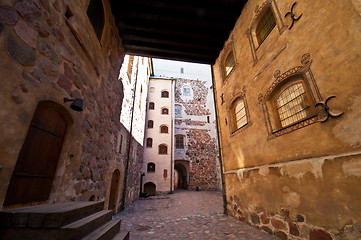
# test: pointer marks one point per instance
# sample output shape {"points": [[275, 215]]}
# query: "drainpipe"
{"points": [[219, 146], [130, 140], [172, 135]]}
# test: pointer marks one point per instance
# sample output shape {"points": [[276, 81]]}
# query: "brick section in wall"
{"points": [[202, 153]]}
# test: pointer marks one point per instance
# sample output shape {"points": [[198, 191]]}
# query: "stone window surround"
{"points": [[259, 12], [230, 112], [304, 72]]}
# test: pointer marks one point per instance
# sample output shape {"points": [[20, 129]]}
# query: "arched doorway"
{"points": [[114, 190], [149, 188], [182, 175], [35, 168]]}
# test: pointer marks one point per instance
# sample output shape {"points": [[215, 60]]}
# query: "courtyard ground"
{"points": [[185, 215]]}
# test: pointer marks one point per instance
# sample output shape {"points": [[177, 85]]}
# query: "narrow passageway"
{"points": [[184, 215]]}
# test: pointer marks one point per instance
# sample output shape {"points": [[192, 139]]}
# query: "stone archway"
{"points": [[114, 190], [150, 188], [182, 175]]}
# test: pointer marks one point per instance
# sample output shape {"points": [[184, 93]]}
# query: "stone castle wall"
{"points": [[49, 51], [302, 181]]}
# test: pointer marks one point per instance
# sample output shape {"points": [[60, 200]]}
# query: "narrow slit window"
{"points": [[95, 13]]}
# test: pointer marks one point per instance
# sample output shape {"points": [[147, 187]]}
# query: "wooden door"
{"points": [[35, 168], [114, 190]]}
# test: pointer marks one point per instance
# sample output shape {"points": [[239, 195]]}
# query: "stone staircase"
{"points": [[61, 221]]}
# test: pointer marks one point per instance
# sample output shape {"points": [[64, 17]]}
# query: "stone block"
{"points": [[293, 228], [30, 80], [48, 51], [255, 218], [281, 235], [8, 15], [278, 224], [318, 234], [49, 68], [64, 83], [25, 55], [39, 74]]}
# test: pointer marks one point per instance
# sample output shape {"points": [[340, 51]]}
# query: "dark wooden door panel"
{"points": [[35, 168]]}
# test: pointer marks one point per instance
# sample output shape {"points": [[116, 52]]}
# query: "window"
{"points": [[179, 141], [177, 111], [130, 67], [162, 149], [151, 167], [150, 123], [186, 91], [293, 104], [229, 63], [163, 129], [164, 110], [265, 26], [207, 119], [95, 13], [165, 94], [149, 142], [182, 70], [240, 117], [120, 143], [151, 106]]}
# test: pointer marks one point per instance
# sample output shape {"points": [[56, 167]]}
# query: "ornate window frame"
{"points": [[282, 81], [240, 96], [259, 12]]}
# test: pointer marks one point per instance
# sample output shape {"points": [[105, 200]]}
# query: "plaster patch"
{"points": [[348, 129], [357, 5], [352, 168], [263, 170], [291, 199]]}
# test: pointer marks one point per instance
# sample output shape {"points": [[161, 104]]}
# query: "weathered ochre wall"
{"points": [[305, 183], [49, 50]]}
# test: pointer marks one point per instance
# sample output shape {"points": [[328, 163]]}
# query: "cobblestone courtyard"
{"points": [[185, 215]]}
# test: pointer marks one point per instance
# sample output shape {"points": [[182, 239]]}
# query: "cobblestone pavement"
{"points": [[184, 215]]}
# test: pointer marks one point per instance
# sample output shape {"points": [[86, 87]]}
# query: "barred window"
{"points": [[293, 104], [265, 26], [240, 114]]}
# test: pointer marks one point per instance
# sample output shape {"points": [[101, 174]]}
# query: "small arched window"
{"points": [[151, 106], [165, 94], [151, 167], [163, 129], [162, 149], [150, 123], [265, 25], [149, 142], [179, 141], [164, 110], [229, 63]]}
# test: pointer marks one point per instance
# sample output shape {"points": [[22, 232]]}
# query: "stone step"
{"points": [[48, 215], [84, 226], [122, 235], [105, 232]]}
